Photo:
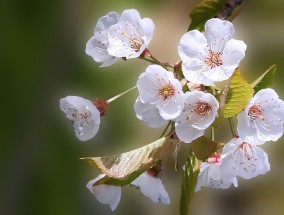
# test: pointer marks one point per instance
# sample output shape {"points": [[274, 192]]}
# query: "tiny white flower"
{"points": [[83, 114], [105, 194], [97, 45], [200, 111], [263, 117], [131, 35], [152, 187], [149, 114], [244, 159], [213, 56], [159, 87], [210, 175]]}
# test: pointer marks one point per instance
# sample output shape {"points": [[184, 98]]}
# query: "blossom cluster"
{"points": [[168, 97]]}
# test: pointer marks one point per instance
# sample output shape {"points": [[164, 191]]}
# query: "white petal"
{"points": [[96, 47], [171, 108], [105, 194], [270, 129], [106, 21], [148, 27], [217, 33], [187, 133], [149, 114], [219, 73], [152, 187], [214, 105], [233, 53], [193, 71], [244, 159], [270, 125], [132, 16], [150, 84], [85, 116], [193, 45], [211, 176], [246, 128], [127, 38]]}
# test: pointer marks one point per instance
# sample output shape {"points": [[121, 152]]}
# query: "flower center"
{"points": [[216, 158], [202, 108], [134, 40], [255, 112], [214, 59], [167, 91]]}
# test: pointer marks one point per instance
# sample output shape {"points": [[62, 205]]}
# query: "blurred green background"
{"points": [[43, 59]]}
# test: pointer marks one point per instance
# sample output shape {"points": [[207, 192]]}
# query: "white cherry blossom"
{"points": [[131, 35], [149, 114], [200, 111], [83, 114], [97, 45], [105, 194], [263, 117], [159, 87], [213, 56], [244, 159], [211, 175], [152, 187]]}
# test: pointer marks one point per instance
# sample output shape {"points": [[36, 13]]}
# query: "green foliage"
{"points": [[205, 10], [238, 95], [265, 80], [190, 176], [124, 168], [203, 147]]}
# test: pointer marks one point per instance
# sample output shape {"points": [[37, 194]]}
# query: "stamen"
{"points": [[214, 59], [167, 91], [255, 112], [216, 158], [202, 108]]}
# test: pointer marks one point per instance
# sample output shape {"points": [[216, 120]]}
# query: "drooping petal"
{"points": [[105, 194], [244, 160], [149, 114], [83, 114], [211, 176], [217, 33], [152, 187]]}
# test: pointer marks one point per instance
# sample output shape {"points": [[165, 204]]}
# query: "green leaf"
{"points": [[238, 95], [119, 182], [265, 80], [205, 10], [189, 181], [122, 169], [203, 147]]}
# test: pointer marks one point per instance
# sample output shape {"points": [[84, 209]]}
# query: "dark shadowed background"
{"points": [[43, 59]]}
